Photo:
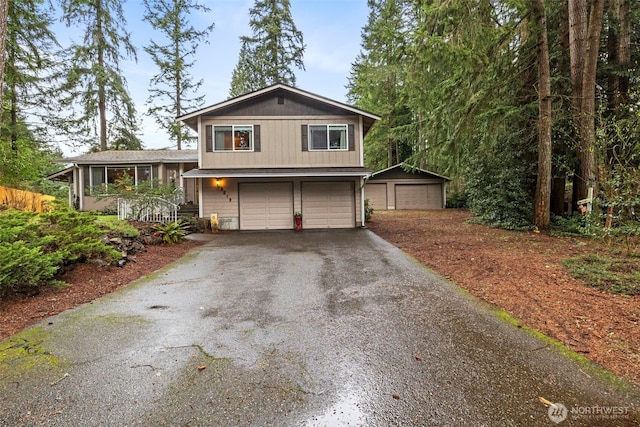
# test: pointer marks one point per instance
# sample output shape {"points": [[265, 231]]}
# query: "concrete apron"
{"points": [[283, 328]]}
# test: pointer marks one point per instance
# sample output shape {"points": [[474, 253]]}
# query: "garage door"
{"points": [[266, 206], [328, 205], [377, 195], [419, 196]]}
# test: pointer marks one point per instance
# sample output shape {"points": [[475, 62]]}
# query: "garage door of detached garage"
{"points": [[377, 195], [418, 196], [266, 206], [328, 205]]}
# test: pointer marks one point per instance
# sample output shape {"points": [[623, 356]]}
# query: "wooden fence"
{"points": [[24, 200]]}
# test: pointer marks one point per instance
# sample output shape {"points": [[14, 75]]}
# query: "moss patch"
{"points": [[23, 352], [584, 363]]}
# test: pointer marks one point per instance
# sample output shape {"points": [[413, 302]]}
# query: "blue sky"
{"points": [[331, 30]]}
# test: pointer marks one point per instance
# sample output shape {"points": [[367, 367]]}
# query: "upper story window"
{"points": [[230, 138], [328, 137]]}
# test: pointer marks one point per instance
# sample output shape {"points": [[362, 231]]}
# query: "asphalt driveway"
{"points": [[294, 329]]}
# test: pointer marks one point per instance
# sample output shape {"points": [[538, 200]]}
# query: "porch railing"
{"points": [[150, 210]]}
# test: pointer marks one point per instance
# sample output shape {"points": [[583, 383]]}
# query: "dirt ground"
{"points": [[521, 273], [517, 272]]}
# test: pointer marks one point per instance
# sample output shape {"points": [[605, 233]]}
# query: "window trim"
{"points": [[105, 169], [327, 126], [252, 143]]}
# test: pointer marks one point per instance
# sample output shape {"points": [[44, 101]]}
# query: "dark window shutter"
{"points": [[209, 138], [256, 138], [351, 137], [305, 138]]}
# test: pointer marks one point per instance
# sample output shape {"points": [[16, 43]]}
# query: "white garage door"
{"points": [[419, 196], [328, 205], [266, 206], [377, 195]]}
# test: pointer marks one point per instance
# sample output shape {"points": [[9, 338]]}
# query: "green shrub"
{"points": [[577, 225], [498, 190], [171, 232], [117, 227], [22, 266], [35, 246], [457, 200]]}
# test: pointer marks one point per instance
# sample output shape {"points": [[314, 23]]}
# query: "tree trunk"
{"points": [[557, 195], [543, 183], [102, 97], [4, 10], [178, 84], [618, 54], [585, 26]]}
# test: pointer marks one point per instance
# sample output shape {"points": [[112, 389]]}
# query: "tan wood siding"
{"points": [[281, 144], [266, 206], [418, 196], [377, 195], [328, 205], [222, 200]]}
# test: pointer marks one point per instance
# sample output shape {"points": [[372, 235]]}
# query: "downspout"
{"points": [[362, 179], [80, 188]]}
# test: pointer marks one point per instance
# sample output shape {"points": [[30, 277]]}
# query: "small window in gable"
{"points": [[328, 137]]}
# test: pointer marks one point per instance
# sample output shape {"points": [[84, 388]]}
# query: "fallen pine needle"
{"points": [[59, 379], [546, 402]]}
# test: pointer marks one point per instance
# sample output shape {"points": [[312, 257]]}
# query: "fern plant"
{"points": [[172, 232]]}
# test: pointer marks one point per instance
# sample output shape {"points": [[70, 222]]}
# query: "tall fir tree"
{"points": [[29, 76], [4, 11], [376, 81], [271, 53], [94, 82], [173, 90], [24, 154]]}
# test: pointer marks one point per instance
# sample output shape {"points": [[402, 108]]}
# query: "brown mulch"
{"points": [[86, 282], [521, 273]]}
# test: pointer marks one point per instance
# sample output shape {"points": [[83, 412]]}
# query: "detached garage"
{"points": [[395, 188]]}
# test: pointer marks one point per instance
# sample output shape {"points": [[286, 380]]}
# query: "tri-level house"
{"points": [[268, 155]]}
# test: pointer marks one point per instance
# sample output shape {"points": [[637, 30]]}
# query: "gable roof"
{"points": [[316, 104], [409, 169], [133, 156]]}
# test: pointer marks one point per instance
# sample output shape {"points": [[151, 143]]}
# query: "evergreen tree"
{"points": [[24, 154], [4, 10], [171, 87], [94, 81], [376, 82], [29, 60], [268, 56]]}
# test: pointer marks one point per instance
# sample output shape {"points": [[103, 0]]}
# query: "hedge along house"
{"points": [[402, 187], [103, 168], [266, 155]]}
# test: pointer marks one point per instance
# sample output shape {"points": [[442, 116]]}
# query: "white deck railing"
{"points": [[149, 210]]}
